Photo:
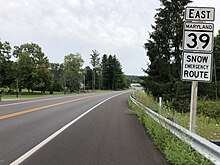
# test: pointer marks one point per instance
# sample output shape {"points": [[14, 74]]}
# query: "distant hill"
{"points": [[134, 79]]}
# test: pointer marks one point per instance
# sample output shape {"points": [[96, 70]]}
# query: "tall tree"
{"points": [[117, 73], [211, 90], [95, 65], [7, 67], [110, 72], [88, 77], [105, 70], [216, 55], [43, 76], [163, 50], [72, 71], [33, 67], [25, 67], [112, 76], [57, 73]]}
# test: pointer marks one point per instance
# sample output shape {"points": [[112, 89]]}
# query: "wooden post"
{"points": [[193, 106]]}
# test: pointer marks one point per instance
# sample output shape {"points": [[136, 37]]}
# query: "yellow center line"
{"points": [[43, 107]]}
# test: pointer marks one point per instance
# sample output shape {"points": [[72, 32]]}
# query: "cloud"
{"points": [[114, 22], [64, 26]]}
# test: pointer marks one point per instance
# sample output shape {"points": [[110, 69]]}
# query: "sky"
{"points": [[61, 27]]}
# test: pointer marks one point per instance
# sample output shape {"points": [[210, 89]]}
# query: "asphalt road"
{"points": [[86, 129]]}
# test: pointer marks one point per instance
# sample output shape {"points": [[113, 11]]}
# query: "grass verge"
{"points": [[176, 151], [26, 95], [206, 126], [37, 94]]}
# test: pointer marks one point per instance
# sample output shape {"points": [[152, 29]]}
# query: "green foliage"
{"points": [[32, 67], [57, 74], [216, 55], [180, 153], [206, 126], [95, 59], [72, 71], [164, 52], [212, 90], [181, 100], [209, 108], [88, 77], [176, 151], [32, 71], [134, 79], [147, 100], [112, 76], [7, 67], [105, 70], [96, 65]]}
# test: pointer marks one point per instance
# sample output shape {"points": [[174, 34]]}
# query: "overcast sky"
{"points": [[61, 27]]}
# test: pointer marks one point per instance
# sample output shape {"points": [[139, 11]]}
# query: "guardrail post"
{"points": [[160, 104]]}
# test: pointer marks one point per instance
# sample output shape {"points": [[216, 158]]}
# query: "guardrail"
{"points": [[200, 144]]}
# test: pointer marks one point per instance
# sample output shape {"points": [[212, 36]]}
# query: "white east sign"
{"points": [[196, 67], [200, 14], [198, 37]]}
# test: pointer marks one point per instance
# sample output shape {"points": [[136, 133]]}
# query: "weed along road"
{"points": [[96, 129]]}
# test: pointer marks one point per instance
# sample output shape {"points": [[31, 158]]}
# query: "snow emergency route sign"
{"points": [[198, 37], [196, 67]]}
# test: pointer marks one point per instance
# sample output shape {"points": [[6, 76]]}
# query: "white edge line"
{"points": [[51, 137]]}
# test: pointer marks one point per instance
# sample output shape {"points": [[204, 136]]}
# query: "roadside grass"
{"points": [[37, 94], [206, 126], [176, 151]]}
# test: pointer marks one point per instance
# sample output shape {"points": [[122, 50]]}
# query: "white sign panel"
{"points": [[200, 14], [196, 67], [198, 37]]}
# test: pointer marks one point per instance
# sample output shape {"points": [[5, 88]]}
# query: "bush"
{"points": [[209, 108]]}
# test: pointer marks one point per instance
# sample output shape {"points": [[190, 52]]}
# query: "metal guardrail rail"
{"points": [[203, 146]]}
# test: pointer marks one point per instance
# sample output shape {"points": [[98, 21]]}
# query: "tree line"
{"points": [[27, 67], [164, 50]]}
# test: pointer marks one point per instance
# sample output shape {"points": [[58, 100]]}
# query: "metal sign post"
{"points": [[193, 106], [197, 52]]}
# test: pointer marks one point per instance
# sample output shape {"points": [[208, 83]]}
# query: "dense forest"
{"points": [[164, 50], [27, 67]]}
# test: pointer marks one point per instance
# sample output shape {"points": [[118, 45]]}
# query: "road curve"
{"points": [[108, 134]]}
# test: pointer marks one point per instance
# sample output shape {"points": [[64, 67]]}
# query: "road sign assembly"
{"points": [[197, 40], [197, 52]]}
